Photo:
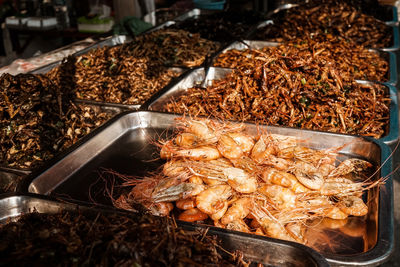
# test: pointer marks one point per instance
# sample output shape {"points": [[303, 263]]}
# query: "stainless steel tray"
{"points": [[389, 56], [196, 77], [390, 15], [257, 250], [395, 29], [196, 13], [109, 41], [395, 17], [10, 179], [8, 173], [127, 146]]}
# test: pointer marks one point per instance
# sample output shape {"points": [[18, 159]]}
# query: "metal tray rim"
{"points": [[392, 59], [293, 5], [65, 204], [395, 28], [390, 138], [384, 243]]}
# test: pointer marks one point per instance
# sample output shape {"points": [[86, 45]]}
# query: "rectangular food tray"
{"points": [[196, 77], [196, 13], [10, 179], [109, 41], [128, 146], [390, 15], [8, 173], [395, 29], [258, 250], [389, 56]]}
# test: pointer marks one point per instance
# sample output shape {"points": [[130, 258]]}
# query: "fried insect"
{"points": [[351, 60], [38, 120], [104, 239], [318, 18], [290, 86], [131, 73]]}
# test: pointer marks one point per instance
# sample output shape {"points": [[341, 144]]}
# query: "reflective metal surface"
{"points": [[127, 146], [109, 41], [196, 77], [394, 26], [258, 250]]}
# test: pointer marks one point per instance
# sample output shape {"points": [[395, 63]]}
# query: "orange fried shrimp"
{"points": [[281, 196], [200, 129], [195, 180], [353, 205], [297, 231], [185, 204], [213, 199], [169, 151], [218, 215], [245, 163], [238, 211], [334, 223], [192, 215], [228, 147], [308, 175], [282, 178], [263, 148], [345, 187], [244, 141], [271, 226], [222, 170], [188, 140]]}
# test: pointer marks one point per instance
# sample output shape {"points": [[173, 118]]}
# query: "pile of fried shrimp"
{"points": [[266, 184]]}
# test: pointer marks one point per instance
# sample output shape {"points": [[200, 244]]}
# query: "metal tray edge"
{"points": [[314, 256]]}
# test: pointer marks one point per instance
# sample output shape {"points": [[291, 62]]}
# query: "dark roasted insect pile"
{"points": [[351, 60], [221, 26], [172, 47], [131, 73], [322, 17], [38, 120], [296, 90], [76, 239], [106, 75]]}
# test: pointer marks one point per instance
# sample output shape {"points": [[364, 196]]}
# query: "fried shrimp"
{"points": [[213, 199], [282, 197], [265, 184], [238, 211], [282, 178], [192, 215]]}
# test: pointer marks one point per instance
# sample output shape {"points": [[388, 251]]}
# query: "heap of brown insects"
{"points": [[131, 73], [327, 17], [38, 120], [78, 238], [291, 86]]}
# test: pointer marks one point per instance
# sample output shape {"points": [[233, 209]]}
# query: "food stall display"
{"points": [[243, 127]]}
